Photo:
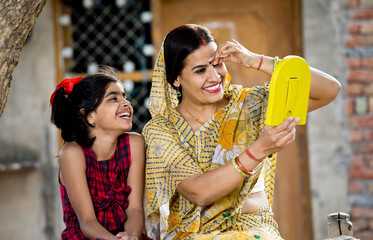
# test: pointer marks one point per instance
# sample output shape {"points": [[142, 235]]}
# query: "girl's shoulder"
{"points": [[135, 139], [71, 149], [71, 154]]}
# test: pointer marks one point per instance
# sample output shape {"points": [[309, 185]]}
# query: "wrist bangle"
{"points": [[240, 166], [275, 62], [252, 156], [234, 161], [261, 62]]}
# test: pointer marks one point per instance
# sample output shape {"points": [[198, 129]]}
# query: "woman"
{"points": [[210, 159]]}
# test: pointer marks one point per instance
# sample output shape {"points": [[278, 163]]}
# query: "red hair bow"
{"points": [[67, 85]]}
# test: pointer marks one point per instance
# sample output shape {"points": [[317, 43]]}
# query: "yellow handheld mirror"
{"points": [[289, 91]]}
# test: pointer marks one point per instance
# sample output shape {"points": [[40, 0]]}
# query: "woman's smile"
{"points": [[214, 88]]}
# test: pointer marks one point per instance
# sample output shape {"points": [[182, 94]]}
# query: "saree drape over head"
{"points": [[174, 152]]}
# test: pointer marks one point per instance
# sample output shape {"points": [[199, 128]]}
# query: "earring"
{"points": [[91, 123], [178, 93]]}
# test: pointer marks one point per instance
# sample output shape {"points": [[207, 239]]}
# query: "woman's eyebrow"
{"points": [[199, 66]]}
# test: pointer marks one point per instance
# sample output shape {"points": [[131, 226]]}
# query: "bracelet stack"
{"points": [[241, 169]]}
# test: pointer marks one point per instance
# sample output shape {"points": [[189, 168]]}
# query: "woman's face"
{"points": [[202, 82]]}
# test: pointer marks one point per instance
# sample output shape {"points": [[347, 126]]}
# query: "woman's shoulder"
{"points": [[157, 122]]}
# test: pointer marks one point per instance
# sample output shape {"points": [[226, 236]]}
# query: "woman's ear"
{"points": [[177, 82]]}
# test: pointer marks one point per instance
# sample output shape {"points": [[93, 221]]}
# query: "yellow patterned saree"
{"points": [[174, 152]]}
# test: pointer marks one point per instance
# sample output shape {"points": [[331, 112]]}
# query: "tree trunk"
{"points": [[17, 17]]}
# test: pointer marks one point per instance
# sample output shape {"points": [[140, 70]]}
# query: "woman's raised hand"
{"points": [[233, 51], [275, 139]]}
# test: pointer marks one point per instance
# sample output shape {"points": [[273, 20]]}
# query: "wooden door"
{"points": [[269, 27]]}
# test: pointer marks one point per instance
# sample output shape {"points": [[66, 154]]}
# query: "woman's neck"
{"points": [[196, 114]]}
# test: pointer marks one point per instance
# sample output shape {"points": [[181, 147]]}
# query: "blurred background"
{"points": [[328, 169]]}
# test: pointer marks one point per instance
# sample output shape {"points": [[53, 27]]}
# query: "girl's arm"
{"points": [[73, 177], [135, 214], [324, 88]]}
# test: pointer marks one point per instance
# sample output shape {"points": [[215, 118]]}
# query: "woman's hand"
{"points": [[125, 236], [274, 139], [233, 51]]}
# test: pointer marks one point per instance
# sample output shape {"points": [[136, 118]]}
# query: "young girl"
{"points": [[101, 167]]}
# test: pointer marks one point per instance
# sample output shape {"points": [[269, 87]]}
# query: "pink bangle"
{"points": [[243, 169], [251, 155], [261, 62]]}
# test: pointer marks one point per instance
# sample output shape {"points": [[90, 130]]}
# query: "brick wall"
{"points": [[359, 94]]}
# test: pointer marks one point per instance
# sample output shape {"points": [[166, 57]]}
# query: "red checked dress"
{"points": [[107, 182]]}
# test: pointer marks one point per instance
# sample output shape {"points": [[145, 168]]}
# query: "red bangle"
{"points": [[261, 62], [243, 169], [251, 155]]}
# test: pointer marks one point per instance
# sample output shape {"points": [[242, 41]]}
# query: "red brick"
{"points": [[371, 224], [354, 89], [357, 212], [363, 235], [353, 62], [354, 28], [350, 106], [361, 121], [369, 188], [356, 135], [364, 173], [354, 41], [367, 62], [351, 3], [360, 76], [370, 104], [367, 147], [368, 134], [365, 41], [355, 187], [358, 162], [360, 224], [363, 13], [366, 3], [369, 160], [368, 89], [366, 28], [361, 212]]}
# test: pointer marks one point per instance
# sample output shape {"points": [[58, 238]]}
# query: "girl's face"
{"points": [[202, 82], [115, 112]]}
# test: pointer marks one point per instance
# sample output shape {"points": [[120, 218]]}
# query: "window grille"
{"points": [[115, 33]]}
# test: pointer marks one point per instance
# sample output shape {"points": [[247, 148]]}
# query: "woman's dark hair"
{"points": [[181, 42], [70, 113]]}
